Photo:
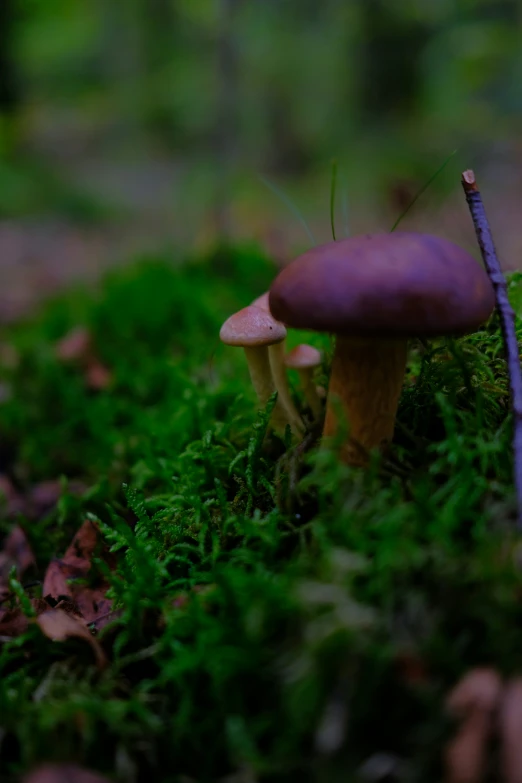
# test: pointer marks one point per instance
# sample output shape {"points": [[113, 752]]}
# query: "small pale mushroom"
{"points": [[257, 333], [473, 702], [278, 365], [262, 302], [374, 292], [306, 359]]}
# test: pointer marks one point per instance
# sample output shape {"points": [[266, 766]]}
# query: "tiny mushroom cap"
{"points": [[303, 357], [251, 327], [261, 337], [262, 301], [374, 292]]}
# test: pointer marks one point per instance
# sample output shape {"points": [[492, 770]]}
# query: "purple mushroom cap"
{"points": [[384, 285]]}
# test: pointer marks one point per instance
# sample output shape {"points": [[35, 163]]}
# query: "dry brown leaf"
{"points": [[411, 667], [59, 626], [11, 502], [510, 728], [63, 773], [42, 497], [473, 701], [66, 577], [14, 622], [7, 490], [97, 376], [16, 552], [76, 346]]}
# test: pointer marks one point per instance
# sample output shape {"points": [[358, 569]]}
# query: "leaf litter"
{"points": [[74, 594], [70, 577], [63, 773]]}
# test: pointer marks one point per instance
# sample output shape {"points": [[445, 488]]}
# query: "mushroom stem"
{"points": [[367, 376], [276, 354], [261, 377]]}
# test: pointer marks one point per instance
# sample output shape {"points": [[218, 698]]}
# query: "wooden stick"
{"points": [[507, 322]]}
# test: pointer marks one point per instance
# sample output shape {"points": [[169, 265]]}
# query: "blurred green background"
{"points": [[132, 125]]}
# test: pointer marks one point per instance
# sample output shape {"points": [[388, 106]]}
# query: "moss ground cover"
{"points": [[276, 615]]}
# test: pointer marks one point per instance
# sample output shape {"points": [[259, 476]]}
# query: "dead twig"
{"points": [[507, 322]]}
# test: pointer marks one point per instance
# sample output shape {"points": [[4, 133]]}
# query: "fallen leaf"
{"points": [[97, 376], [76, 346], [42, 497], [412, 668], [473, 701], [66, 577], [15, 552], [69, 607], [59, 626], [510, 730], [11, 501], [13, 622], [45, 494], [63, 773]]}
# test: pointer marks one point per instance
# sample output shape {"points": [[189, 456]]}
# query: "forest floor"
{"points": [[185, 596]]}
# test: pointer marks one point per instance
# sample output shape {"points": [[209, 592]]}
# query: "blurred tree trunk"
{"points": [[390, 69], [227, 116], [9, 84], [158, 24], [121, 60]]}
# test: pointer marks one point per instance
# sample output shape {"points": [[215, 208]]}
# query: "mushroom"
{"points": [[511, 732], [277, 362], [473, 701], [374, 292], [258, 334], [306, 359], [262, 302]]}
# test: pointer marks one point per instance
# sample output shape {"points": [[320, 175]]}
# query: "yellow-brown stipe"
{"points": [[366, 380]]}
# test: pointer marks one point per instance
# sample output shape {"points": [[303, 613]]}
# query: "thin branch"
{"points": [[507, 321]]}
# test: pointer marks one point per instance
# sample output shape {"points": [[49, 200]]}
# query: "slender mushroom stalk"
{"points": [[374, 292], [306, 359], [276, 356], [277, 363], [256, 332], [261, 377]]}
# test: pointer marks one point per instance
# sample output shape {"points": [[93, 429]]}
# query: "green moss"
{"points": [[267, 598]]}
